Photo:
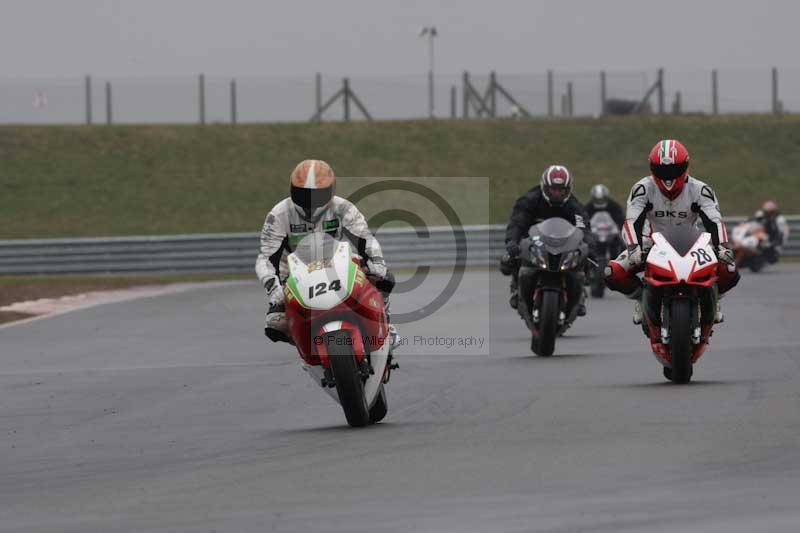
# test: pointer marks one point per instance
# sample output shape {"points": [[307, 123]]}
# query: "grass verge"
{"points": [[127, 180]]}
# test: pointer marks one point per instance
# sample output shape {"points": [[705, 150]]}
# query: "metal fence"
{"points": [[199, 98], [236, 252]]}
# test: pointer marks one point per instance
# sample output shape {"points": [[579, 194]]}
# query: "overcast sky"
{"points": [[157, 37]]}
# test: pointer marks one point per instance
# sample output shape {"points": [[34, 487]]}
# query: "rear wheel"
{"points": [[548, 323], [680, 341], [349, 384], [379, 408], [598, 285], [757, 263]]}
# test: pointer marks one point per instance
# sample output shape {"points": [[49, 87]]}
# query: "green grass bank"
{"points": [[126, 180]]}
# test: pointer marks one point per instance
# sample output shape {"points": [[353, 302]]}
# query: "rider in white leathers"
{"points": [[669, 197], [313, 207]]}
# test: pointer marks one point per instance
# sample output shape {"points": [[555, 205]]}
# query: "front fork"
{"points": [[656, 306]]}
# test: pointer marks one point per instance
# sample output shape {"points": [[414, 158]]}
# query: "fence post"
{"points": [[714, 93], [453, 93], [493, 94], [775, 102], [234, 110], [602, 92], [318, 95], [88, 91], [676, 104], [201, 97], [550, 93], [109, 105], [346, 101], [430, 92], [570, 107], [661, 91], [465, 94]]}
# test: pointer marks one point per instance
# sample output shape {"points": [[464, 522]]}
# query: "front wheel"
{"points": [[680, 341], [598, 283], [349, 384], [380, 407], [548, 323]]}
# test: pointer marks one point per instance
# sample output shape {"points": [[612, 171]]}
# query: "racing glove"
{"points": [[634, 255], [379, 275], [513, 249], [725, 253]]}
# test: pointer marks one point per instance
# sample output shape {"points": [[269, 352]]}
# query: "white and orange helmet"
{"points": [[556, 184], [312, 185]]}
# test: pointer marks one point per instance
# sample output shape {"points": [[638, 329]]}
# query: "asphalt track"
{"points": [[173, 413]]}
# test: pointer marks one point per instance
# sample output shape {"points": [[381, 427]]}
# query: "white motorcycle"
{"points": [[679, 301]]}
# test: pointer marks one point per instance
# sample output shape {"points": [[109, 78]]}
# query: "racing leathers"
{"points": [[284, 228], [777, 229], [647, 205], [530, 209]]}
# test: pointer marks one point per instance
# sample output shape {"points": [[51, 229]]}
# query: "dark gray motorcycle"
{"points": [[551, 274]]}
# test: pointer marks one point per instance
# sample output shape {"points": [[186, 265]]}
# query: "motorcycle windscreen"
{"points": [[316, 247], [601, 222], [557, 234], [682, 237]]}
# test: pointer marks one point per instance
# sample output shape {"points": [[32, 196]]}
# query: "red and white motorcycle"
{"points": [[338, 323], [679, 300]]}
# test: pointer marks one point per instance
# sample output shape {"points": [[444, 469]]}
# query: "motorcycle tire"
{"points": [[680, 341], [379, 408], [598, 287], [756, 264], [349, 384], [548, 323]]}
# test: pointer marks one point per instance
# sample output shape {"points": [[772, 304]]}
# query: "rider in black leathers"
{"points": [[600, 200], [552, 198]]}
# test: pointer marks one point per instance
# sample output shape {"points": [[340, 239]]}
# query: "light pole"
{"points": [[429, 32]]}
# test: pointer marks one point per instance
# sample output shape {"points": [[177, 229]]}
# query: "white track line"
{"points": [[52, 307]]}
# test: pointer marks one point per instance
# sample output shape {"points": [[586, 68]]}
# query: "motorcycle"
{"points": [[550, 282], [338, 323], [751, 246], [679, 300], [608, 245]]}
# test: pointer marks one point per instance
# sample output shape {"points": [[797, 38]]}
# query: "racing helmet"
{"points": [[312, 186], [556, 184], [599, 195], [770, 209], [669, 166]]}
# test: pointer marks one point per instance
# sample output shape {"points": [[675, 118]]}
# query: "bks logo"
{"points": [[671, 214]]}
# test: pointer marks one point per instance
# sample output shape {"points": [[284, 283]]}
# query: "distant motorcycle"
{"points": [[679, 303], [550, 257], [751, 245], [608, 245], [338, 323]]}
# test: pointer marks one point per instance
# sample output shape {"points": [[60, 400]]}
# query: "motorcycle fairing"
{"points": [[666, 266]]}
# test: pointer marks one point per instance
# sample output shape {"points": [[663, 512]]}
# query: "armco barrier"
{"points": [[236, 252]]}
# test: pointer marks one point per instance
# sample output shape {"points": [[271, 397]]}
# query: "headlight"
{"points": [[570, 260], [538, 256]]}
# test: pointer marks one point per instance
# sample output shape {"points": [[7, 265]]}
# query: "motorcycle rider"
{"points": [[551, 198], [668, 197], [313, 207], [600, 200], [776, 227]]}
